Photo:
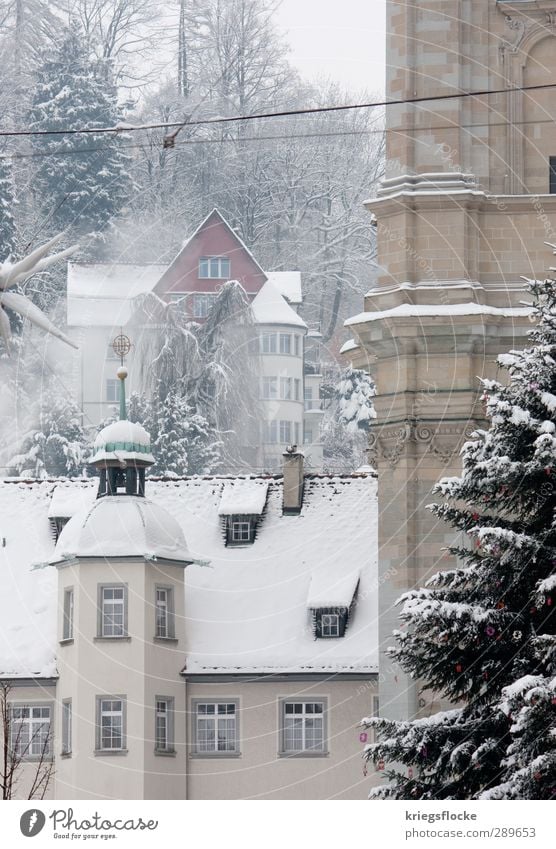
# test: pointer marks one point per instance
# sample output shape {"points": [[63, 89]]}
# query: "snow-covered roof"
{"points": [[123, 440], [270, 307], [446, 310], [68, 499], [288, 284], [101, 294], [350, 345], [249, 610], [333, 585], [122, 526], [245, 497]]}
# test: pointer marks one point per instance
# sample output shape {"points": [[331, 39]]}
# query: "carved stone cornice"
{"points": [[443, 440]]}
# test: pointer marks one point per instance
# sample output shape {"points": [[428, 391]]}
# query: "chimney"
{"points": [[293, 481]]}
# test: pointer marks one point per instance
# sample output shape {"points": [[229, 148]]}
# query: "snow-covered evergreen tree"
{"points": [[482, 635], [355, 392], [58, 445], [7, 204], [182, 441], [348, 398], [84, 180]]}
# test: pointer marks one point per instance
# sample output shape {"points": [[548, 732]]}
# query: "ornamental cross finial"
{"points": [[121, 347]]}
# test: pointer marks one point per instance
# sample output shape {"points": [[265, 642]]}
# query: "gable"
{"points": [[213, 238]]}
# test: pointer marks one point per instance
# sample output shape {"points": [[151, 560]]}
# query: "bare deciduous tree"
{"points": [[26, 746]]}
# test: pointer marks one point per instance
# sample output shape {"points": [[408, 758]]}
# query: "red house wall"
{"points": [[214, 238]]}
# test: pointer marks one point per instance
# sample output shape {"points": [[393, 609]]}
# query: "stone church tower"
{"points": [[463, 213]]}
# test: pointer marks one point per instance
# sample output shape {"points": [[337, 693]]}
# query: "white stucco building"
{"points": [[100, 302], [195, 638]]}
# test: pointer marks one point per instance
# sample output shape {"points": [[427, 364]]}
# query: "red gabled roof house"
{"points": [[213, 255]]}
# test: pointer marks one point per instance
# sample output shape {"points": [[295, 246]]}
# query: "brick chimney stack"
{"points": [[293, 480]]}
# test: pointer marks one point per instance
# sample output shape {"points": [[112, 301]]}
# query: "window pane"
{"points": [[67, 632], [203, 267], [216, 733]]}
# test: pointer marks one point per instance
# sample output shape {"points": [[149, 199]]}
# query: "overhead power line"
{"points": [[286, 113], [282, 137]]}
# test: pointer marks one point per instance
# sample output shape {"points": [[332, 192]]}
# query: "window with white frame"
{"points": [[270, 388], [240, 528], [66, 727], [174, 297], [307, 433], [330, 625], [303, 729], [216, 727], [286, 388], [296, 432], [270, 432], [285, 343], [201, 305], [268, 343], [297, 383], [296, 339], [164, 724], [112, 391], [164, 612], [214, 267], [112, 611], [110, 723], [67, 626], [285, 431], [308, 397], [30, 731], [241, 531]]}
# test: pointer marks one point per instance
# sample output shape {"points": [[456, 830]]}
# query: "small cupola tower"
{"points": [[121, 630], [122, 450]]}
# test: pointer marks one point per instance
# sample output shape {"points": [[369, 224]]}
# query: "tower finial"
{"points": [[122, 346]]}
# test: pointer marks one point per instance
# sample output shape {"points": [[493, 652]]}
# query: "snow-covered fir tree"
{"points": [[82, 182], [7, 204], [482, 635], [350, 410], [355, 392], [58, 446], [182, 441]]}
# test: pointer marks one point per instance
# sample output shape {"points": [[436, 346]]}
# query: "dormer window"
{"points": [[214, 268], [57, 524], [240, 530], [330, 623], [331, 600], [241, 508]]}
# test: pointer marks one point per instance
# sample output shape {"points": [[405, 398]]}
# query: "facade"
{"points": [[100, 302], [195, 638], [464, 212]]}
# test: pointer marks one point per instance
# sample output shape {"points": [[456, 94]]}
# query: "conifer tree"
{"points": [[355, 392], [7, 203], [82, 181], [482, 635], [182, 441], [56, 446]]}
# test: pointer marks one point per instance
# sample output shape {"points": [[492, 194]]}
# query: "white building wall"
{"points": [[137, 668], [260, 771], [277, 410]]}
